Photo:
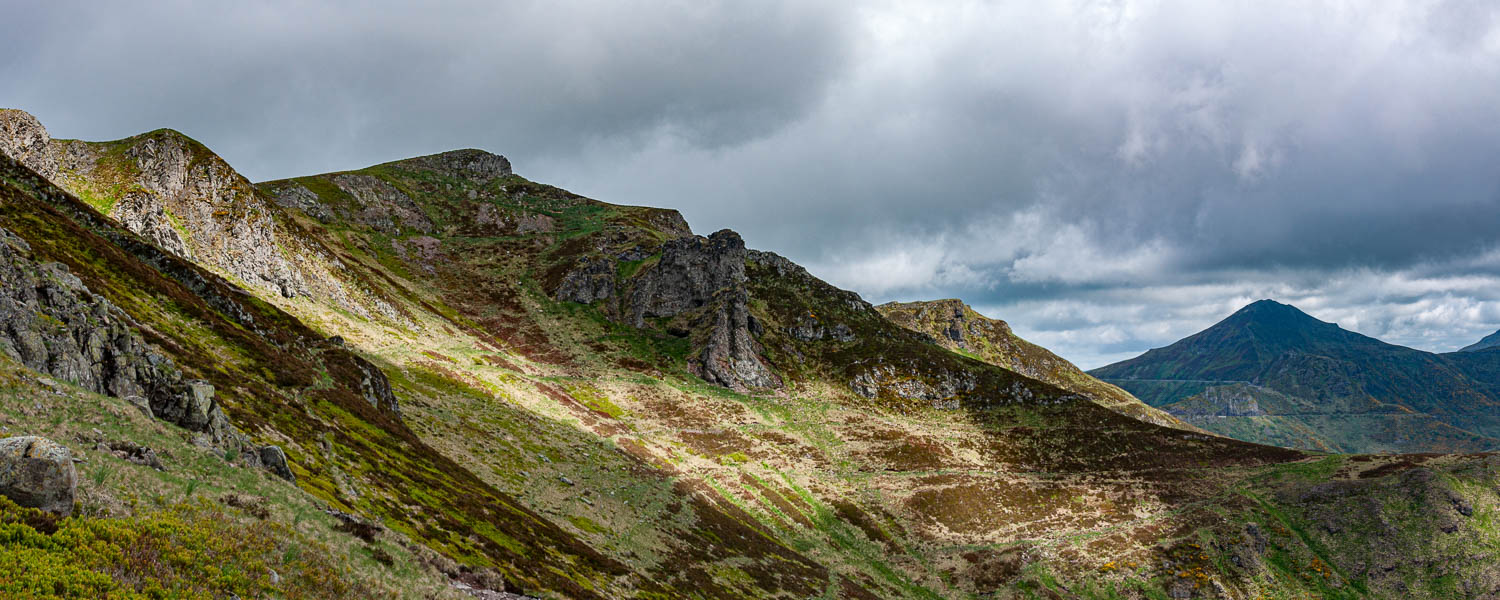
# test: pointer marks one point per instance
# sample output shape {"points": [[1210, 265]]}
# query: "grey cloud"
{"points": [[283, 88]]}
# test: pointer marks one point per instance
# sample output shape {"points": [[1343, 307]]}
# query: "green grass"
{"points": [[184, 550]]}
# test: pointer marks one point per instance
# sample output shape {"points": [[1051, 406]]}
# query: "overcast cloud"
{"points": [[1107, 176]]}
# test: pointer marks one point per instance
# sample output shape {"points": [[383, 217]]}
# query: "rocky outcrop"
{"points": [[1238, 400], [38, 473], [729, 356], [591, 281], [295, 195], [955, 326], [23, 138], [183, 198], [1398, 523], [380, 206], [473, 164], [708, 275], [52, 323], [143, 215], [942, 389], [812, 329], [228, 226], [374, 386], [692, 270]]}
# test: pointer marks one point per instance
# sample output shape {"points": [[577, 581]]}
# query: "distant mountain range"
{"points": [[1271, 373]]}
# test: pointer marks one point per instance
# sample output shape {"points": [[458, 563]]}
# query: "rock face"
{"points": [[475, 164], [230, 227], [52, 323], [381, 206], [1236, 400], [186, 200], [694, 273], [593, 280], [23, 138], [691, 272], [38, 473], [729, 356]]}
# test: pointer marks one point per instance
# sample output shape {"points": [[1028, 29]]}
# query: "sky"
{"points": [[1106, 176]]}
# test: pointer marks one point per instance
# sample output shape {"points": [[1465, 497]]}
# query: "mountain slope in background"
{"points": [[958, 327], [1271, 373], [589, 400], [1490, 341]]}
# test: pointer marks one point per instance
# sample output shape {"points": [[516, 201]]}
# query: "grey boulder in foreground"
{"points": [[38, 473]]}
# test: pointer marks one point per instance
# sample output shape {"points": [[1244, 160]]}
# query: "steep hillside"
{"points": [[329, 411], [957, 327], [593, 401], [1272, 374]]}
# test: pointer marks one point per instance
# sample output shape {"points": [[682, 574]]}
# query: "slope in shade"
{"points": [[1315, 382], [1490, 341]]}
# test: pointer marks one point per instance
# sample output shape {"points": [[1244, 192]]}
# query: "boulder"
{"points": [[274, 460], [193, 407], [38, 473]]}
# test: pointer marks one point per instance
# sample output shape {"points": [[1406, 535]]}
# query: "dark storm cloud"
{"points": [[285, 87], [1108, 176]]}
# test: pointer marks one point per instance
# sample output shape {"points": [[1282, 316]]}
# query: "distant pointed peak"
{"points": [[1271, 309]]}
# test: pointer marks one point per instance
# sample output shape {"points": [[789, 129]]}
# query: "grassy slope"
{"points": [[203, 527], [992, 341], [282, 383]]}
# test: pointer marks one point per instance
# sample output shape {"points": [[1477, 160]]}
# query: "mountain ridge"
{"points": [[957, 326]]}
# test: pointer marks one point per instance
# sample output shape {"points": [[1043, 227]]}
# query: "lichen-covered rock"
{"points": [[37, 472]]}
